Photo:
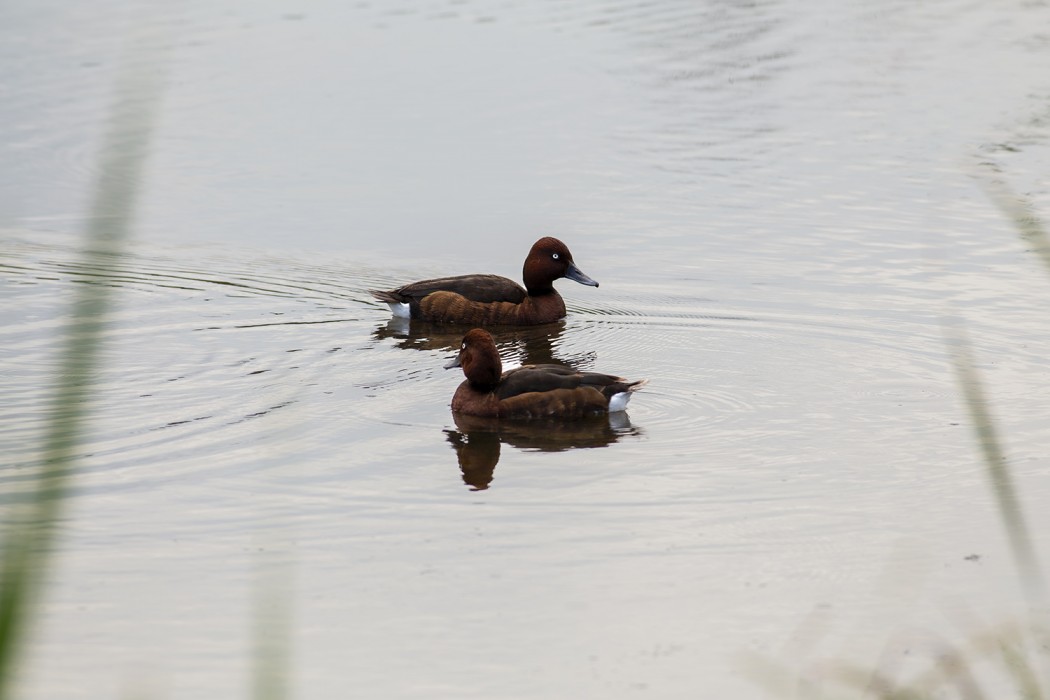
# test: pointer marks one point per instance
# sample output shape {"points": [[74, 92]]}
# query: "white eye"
{"points": [[555, 256], [463, 346]]}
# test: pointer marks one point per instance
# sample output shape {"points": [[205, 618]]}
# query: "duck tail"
{"points": [[388, 297], [398, 305], [621, 394]]}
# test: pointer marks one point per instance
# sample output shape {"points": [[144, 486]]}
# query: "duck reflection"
{"points": [[477, 441], [529, 345]]}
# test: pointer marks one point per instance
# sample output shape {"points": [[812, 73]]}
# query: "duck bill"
{"points": [[453, 363], [576, 275]]}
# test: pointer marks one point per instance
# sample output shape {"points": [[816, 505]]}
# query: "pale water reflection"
{"points": [[782, 203]]}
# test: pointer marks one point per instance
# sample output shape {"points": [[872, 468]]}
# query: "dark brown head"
{"points": [[479, 359], [549, 260]]}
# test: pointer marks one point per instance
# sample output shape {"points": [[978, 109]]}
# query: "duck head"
{"points": [[548, 260], [479, 359]]}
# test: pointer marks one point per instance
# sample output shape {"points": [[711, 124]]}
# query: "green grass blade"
{"points": [[30, 538], [272, 625], [996, 466], [1021, 212]]}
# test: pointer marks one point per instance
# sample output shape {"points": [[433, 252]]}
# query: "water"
{"points": [[782, 203]]}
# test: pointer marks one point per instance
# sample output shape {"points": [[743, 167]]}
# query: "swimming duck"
{"points": [[531, 391], [490, 299]]}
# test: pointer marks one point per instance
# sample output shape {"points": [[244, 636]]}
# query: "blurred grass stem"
{"points": [[30, 538], [996, 465], [272, 623]]}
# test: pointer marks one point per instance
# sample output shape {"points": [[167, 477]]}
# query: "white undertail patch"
{"points": [[618, 402], [399, 309]]}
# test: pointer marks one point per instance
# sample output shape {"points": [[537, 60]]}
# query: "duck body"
{"points": [[532, 391], [485, 300]]}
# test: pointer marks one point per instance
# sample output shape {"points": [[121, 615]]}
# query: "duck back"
{"points": [[480, 288], [551, 377]]}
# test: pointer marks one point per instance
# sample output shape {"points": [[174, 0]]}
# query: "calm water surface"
{"points": [[783, 204]]}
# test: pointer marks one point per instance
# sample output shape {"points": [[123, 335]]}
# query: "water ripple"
{"points": [[214, 366]]}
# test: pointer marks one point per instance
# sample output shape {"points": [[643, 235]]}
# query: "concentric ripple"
{"points": [[208, 367]]}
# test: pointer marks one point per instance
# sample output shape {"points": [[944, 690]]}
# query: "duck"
{"points": [[486, 300], [532, 391]]}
